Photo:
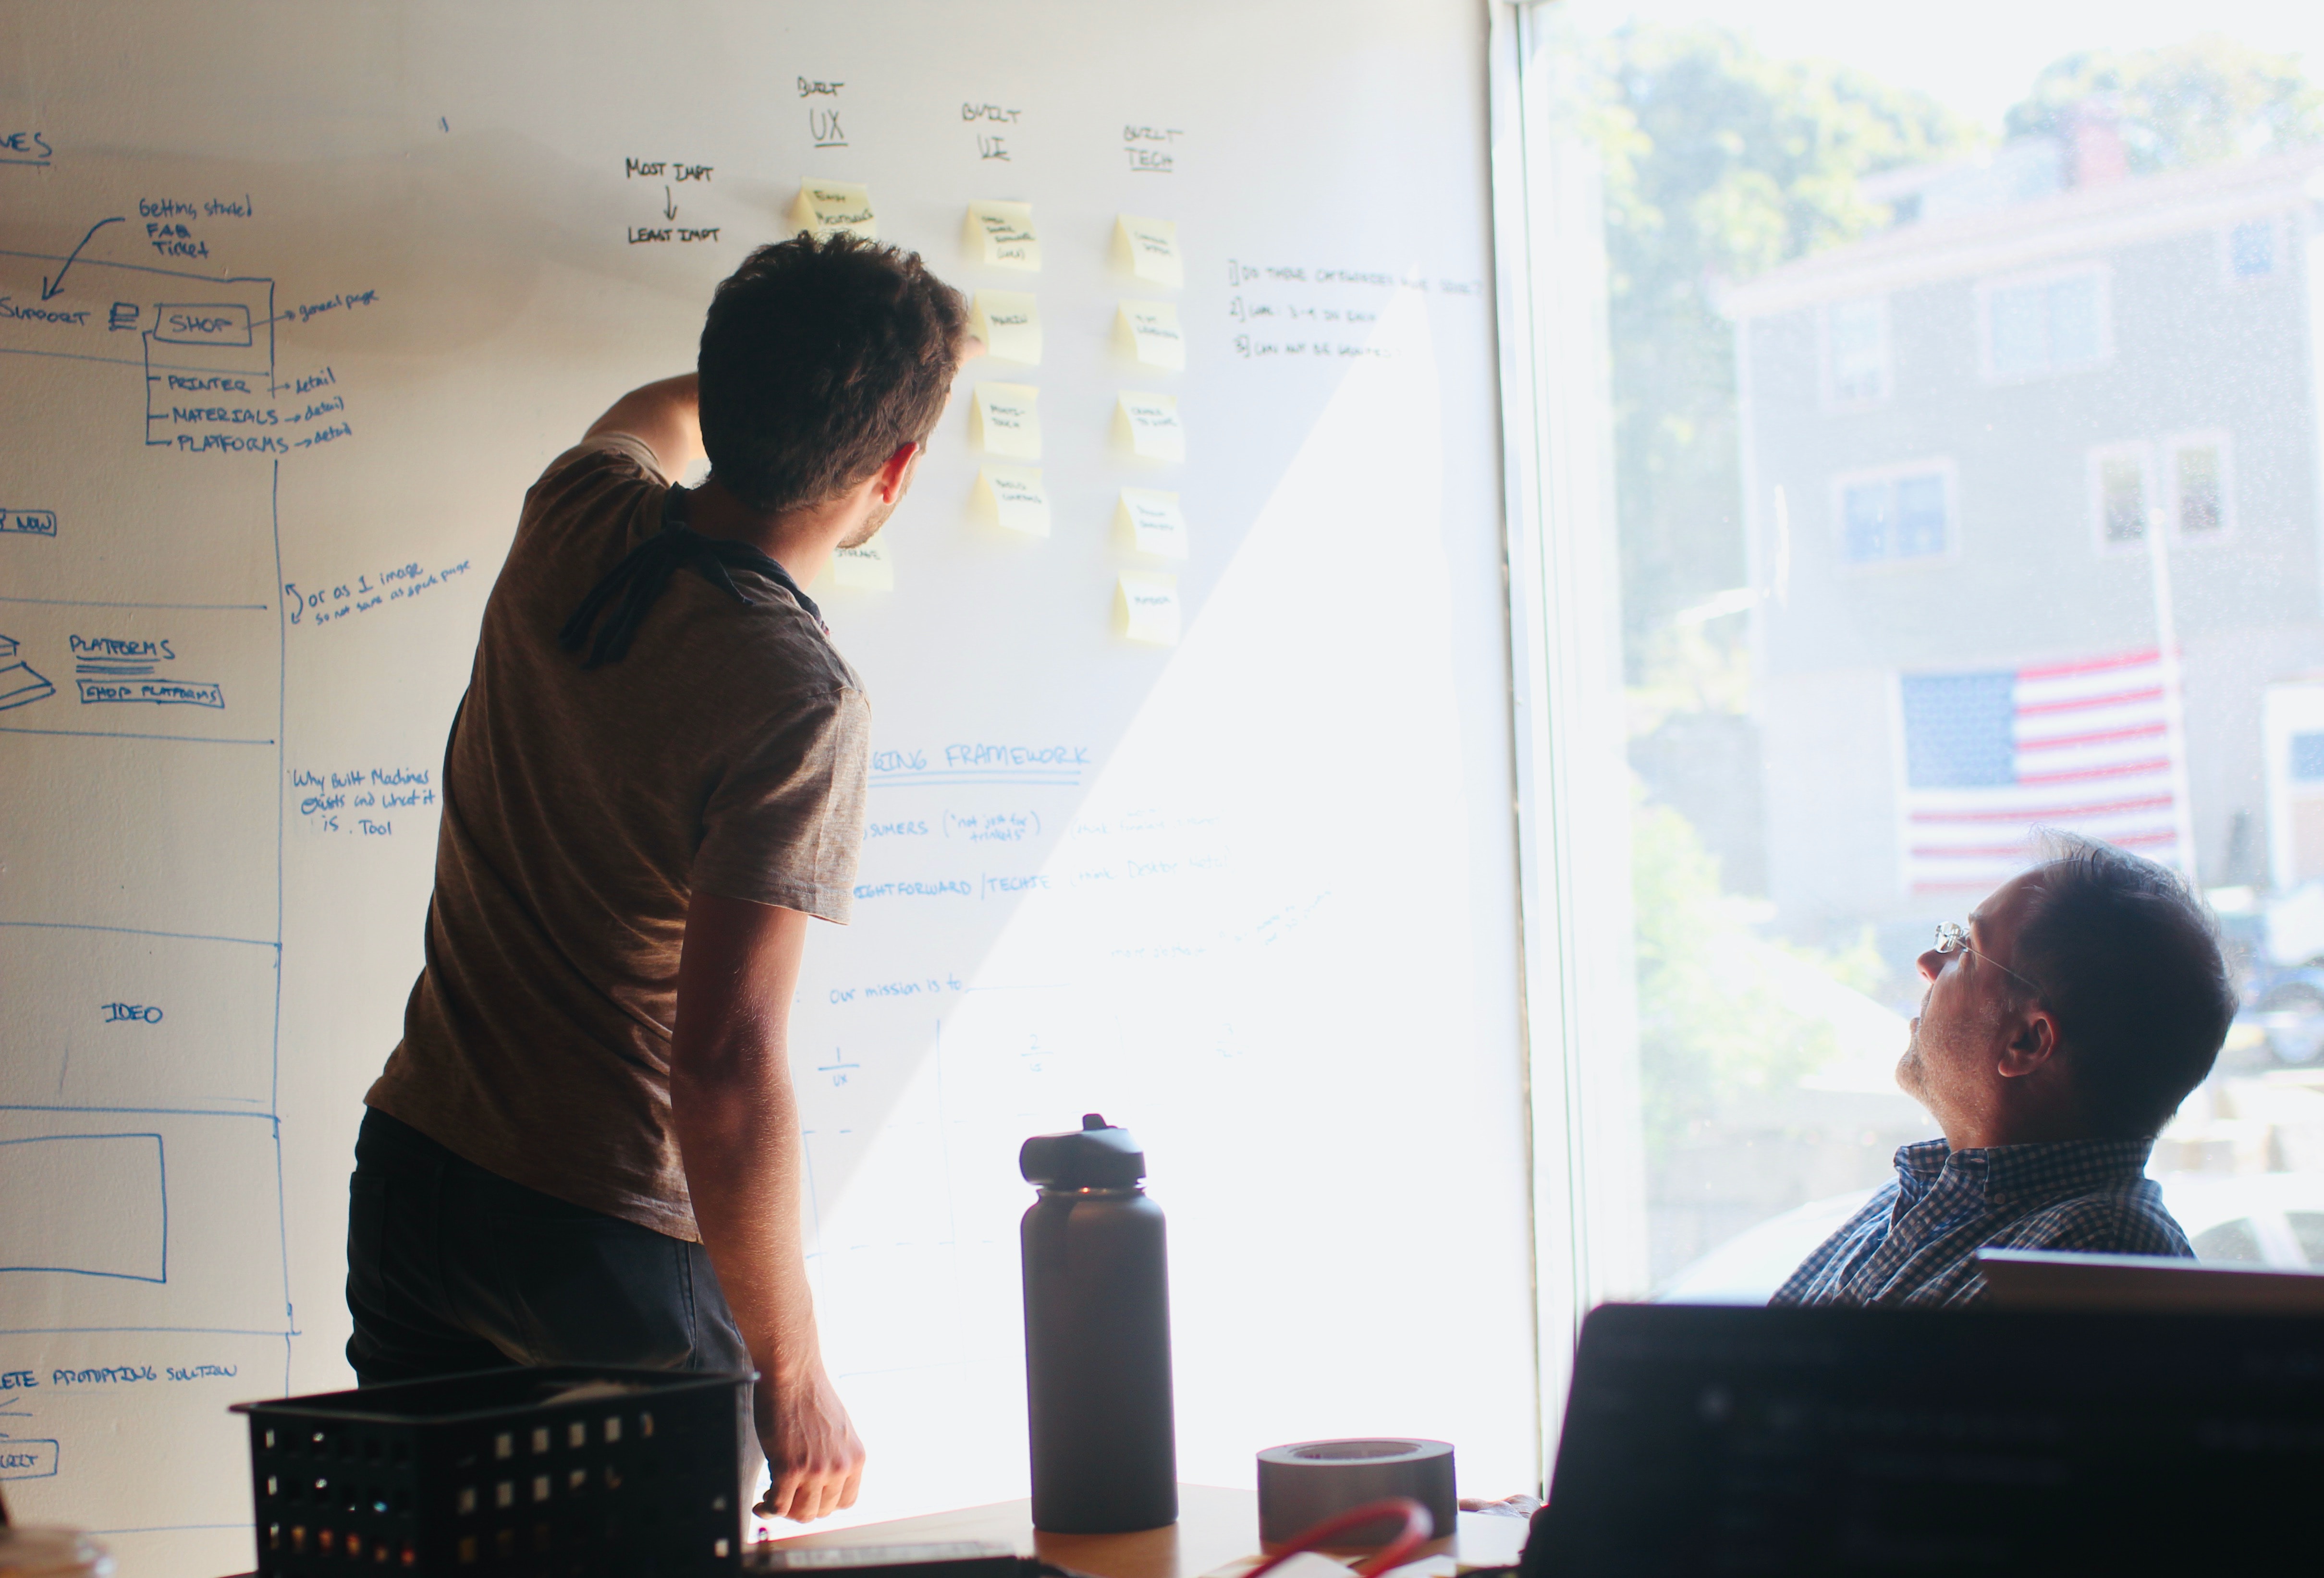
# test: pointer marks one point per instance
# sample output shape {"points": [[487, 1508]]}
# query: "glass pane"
{"points": [[2122, 490], [2076, 334], [1920, 516], [1859, 353], [1868, 653], [2020, 322], [2251, 249], [1864, 509], [2308, 1231], [2198, 470]]}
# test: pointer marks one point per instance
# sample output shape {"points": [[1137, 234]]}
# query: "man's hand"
{"points": [[737, 1122], [815, 1461]]}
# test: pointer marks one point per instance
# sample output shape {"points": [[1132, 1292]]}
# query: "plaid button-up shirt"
{"points": [[1915, 1242]]}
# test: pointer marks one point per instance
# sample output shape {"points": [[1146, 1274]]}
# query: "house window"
{"points": [[2056, 324], [2121, 479], [2307, 757], [1856, 351], [2199, 486], [1898, 515], [2251, 250]]}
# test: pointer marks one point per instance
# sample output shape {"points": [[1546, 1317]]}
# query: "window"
{"points": [[2056, 323], [2199, 486], [2307, 757], [1896, 515], [1856, 353], [1861, 751], [2119, 485], [2251, 250]]}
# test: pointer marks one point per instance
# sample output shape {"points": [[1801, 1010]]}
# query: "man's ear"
{"points": [[2033, 1042], [896, 472]]}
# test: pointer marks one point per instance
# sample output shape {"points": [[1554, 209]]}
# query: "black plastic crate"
{"points": [[568, 1471]]}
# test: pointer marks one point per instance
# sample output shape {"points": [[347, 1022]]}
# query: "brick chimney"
{"points": [[2094, 147]]}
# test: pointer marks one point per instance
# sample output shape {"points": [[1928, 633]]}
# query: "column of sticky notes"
{"points": [[1146, 426], [1004, 415]]}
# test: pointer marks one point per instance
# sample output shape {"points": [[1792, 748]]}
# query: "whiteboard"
{"points": [[294, 304]]}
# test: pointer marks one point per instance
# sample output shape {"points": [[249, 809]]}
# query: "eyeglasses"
{"points": [[1952, 937]]}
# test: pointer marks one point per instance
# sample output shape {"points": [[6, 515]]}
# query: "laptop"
{"points": [[1707, 1439]]}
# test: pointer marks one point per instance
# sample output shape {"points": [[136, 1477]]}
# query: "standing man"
{"points": [[585, 1149]]}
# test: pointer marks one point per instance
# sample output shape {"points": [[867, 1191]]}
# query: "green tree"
{"points": [[1719, 162], [2203, 102]]}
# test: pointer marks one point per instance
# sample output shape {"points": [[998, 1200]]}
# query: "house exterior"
{"points": [[1959, 438]]}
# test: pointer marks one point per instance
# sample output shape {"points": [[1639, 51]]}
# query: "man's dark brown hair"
{"points": [[820, 359], [2127, 956]]}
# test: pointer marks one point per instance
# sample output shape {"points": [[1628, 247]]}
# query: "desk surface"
{"points": [[1215, 1525]]}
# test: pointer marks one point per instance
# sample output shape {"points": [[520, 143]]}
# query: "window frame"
{"points": [[1942, 466], [1826, 381], [2094, 460], [2097, 268], [2280, 241], [2192, 438]]}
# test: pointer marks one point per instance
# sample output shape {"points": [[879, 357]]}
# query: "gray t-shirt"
{"points": [[725, 753]]}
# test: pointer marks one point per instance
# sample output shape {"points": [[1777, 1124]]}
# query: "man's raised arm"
{"points": [[667, 414], [737, 1122]]}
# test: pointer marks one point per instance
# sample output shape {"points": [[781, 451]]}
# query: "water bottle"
{"points": [[1097, 1336]]}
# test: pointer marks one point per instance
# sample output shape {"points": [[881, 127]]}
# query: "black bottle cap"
{"points": [[1096, 1156]]}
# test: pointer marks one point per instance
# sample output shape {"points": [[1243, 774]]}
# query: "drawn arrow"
{"points": [[50, 287], [669, 205]]}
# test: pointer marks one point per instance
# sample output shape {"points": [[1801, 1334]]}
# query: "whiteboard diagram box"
{"points": [[1000, 235], [216, 323], [90, 1204]]}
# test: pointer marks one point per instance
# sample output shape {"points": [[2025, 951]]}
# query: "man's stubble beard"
{"points": [[871, 526]]}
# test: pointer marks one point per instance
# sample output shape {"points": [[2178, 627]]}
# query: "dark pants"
{"points": [[451, 1267]]}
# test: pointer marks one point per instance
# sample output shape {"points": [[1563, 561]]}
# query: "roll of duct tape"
{"points": [[1306, 1482]]}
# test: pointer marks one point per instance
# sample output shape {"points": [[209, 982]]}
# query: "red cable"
{"points": [[1418, 1529]]}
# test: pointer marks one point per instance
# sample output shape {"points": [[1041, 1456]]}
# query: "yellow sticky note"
{"points": [[1006, 419], [1000, 235], [868, 568], [1009, 322], [1149, 425], [1149, 332], [1154, 523], [1013, 496], [1148, 248], [827, 207], [1149, 608]]}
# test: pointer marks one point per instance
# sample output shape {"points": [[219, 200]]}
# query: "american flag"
{"points": [[1990, 755]]}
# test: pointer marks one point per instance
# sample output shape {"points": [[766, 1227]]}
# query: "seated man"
{"points": [[2058, 1034]]}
